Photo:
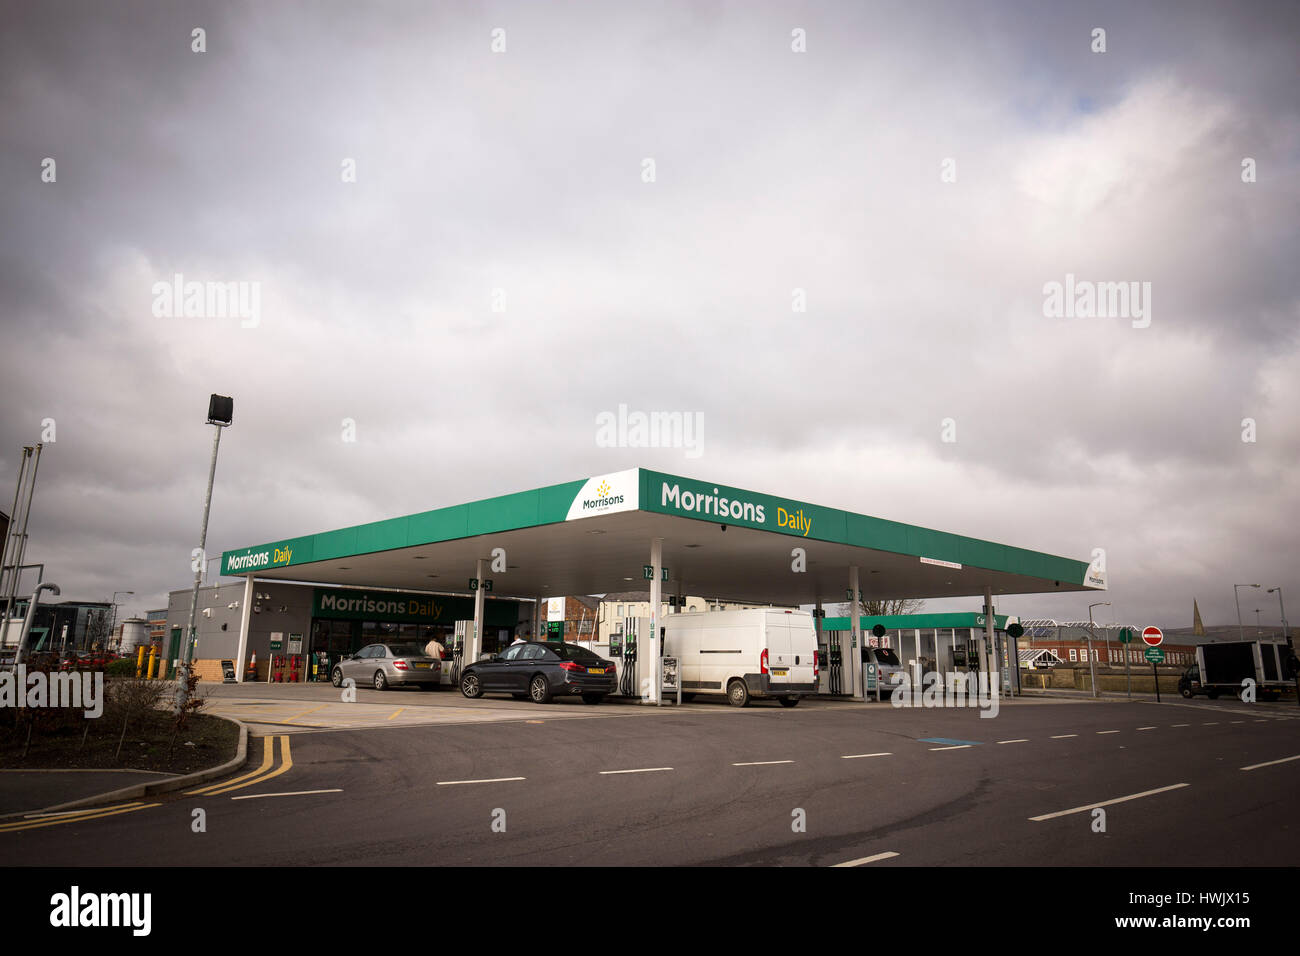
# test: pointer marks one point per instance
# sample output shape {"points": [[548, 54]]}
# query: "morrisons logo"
{"points": [[603, 498]]}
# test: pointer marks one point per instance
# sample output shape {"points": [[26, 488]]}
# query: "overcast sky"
{"points": [[773, 171]]}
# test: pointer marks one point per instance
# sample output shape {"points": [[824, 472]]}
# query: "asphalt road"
{"points": [[724, 786]]}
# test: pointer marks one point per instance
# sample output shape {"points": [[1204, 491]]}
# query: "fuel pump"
{"points": [[628, 685], [458, 642], [835, 662]]}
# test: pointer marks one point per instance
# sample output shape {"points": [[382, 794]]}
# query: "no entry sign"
{"points": [[1153, 635]]}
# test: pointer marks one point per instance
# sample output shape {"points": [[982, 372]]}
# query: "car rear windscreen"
{"points": [[572, 652], [884, 655], [406, 650]]}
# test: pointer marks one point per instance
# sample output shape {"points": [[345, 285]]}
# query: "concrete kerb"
{"points": [[158, 786]]}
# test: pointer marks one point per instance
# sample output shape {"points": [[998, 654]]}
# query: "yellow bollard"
{"points": [[139, 662], [153, 661]]}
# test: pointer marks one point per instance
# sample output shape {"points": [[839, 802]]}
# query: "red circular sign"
{"points": [[1153, 635]]}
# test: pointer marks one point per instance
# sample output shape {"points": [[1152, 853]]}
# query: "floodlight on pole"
{"points": [[220, 415]]}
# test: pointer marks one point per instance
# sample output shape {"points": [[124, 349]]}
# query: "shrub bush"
{"points": [[124, 667]]}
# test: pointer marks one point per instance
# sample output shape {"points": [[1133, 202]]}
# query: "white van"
{"points": [[741, 655]]}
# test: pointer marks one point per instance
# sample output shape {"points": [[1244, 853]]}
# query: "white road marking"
{"points": [[641, 770], [1146, 728], [291, 793], [869, 859], [1180, 725], [1256, 766], [1063, 736], [1236, 721], [1018, 740], [1209, 723], [958, 747], [1107, 731], [856, 756], [760, 763], [452, 783], [1106, 803]]}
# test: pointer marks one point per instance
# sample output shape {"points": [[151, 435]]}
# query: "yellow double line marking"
{"points": [[266, 771], [74, 816], [260, 775]]}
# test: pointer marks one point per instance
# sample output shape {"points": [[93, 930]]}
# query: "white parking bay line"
{"points": [[869, 859], [452, 783], [1018, 740], [1063, 736], [760, 763], [1256, 766], [1107, 732], [1106, 803], [641, 770], [291, 793], [1147, 728], [857, 756], [957, 747]]}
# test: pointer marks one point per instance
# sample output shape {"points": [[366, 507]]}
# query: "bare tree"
{"points": [[97, 630], [885, 607]]}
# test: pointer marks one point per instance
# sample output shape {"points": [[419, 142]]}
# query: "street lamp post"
{"points": [[220, 415], [1241, 633], [108, 638], [1092, 657], [1285, 636]]}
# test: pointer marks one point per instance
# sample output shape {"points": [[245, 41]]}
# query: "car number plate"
{"points": [[595, 670], [422, 666], [780, 671]]}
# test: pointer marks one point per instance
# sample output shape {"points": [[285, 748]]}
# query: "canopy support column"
{"points": [[859, 687], [651, 646], [476, 641], [245, 618]]}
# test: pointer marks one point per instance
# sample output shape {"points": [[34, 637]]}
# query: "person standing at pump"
{"points": [[435, 649], [522, 638]]}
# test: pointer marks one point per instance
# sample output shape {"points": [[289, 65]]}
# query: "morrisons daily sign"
{"points": [[678, 496]]}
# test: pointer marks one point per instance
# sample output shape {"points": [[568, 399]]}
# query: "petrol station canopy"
{"points": [[594, 535]]}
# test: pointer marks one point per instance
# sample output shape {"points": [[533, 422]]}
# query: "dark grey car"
{"points": [[538, 671], [389, 665]]}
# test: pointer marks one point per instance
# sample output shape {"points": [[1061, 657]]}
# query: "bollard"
{"points": [[153, 660], [139, 662]]}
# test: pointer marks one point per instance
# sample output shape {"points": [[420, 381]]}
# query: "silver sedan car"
{"points": [[389, 665]]}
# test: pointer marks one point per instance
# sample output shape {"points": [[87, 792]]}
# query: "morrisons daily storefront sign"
{"points": [[398, 608]]}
